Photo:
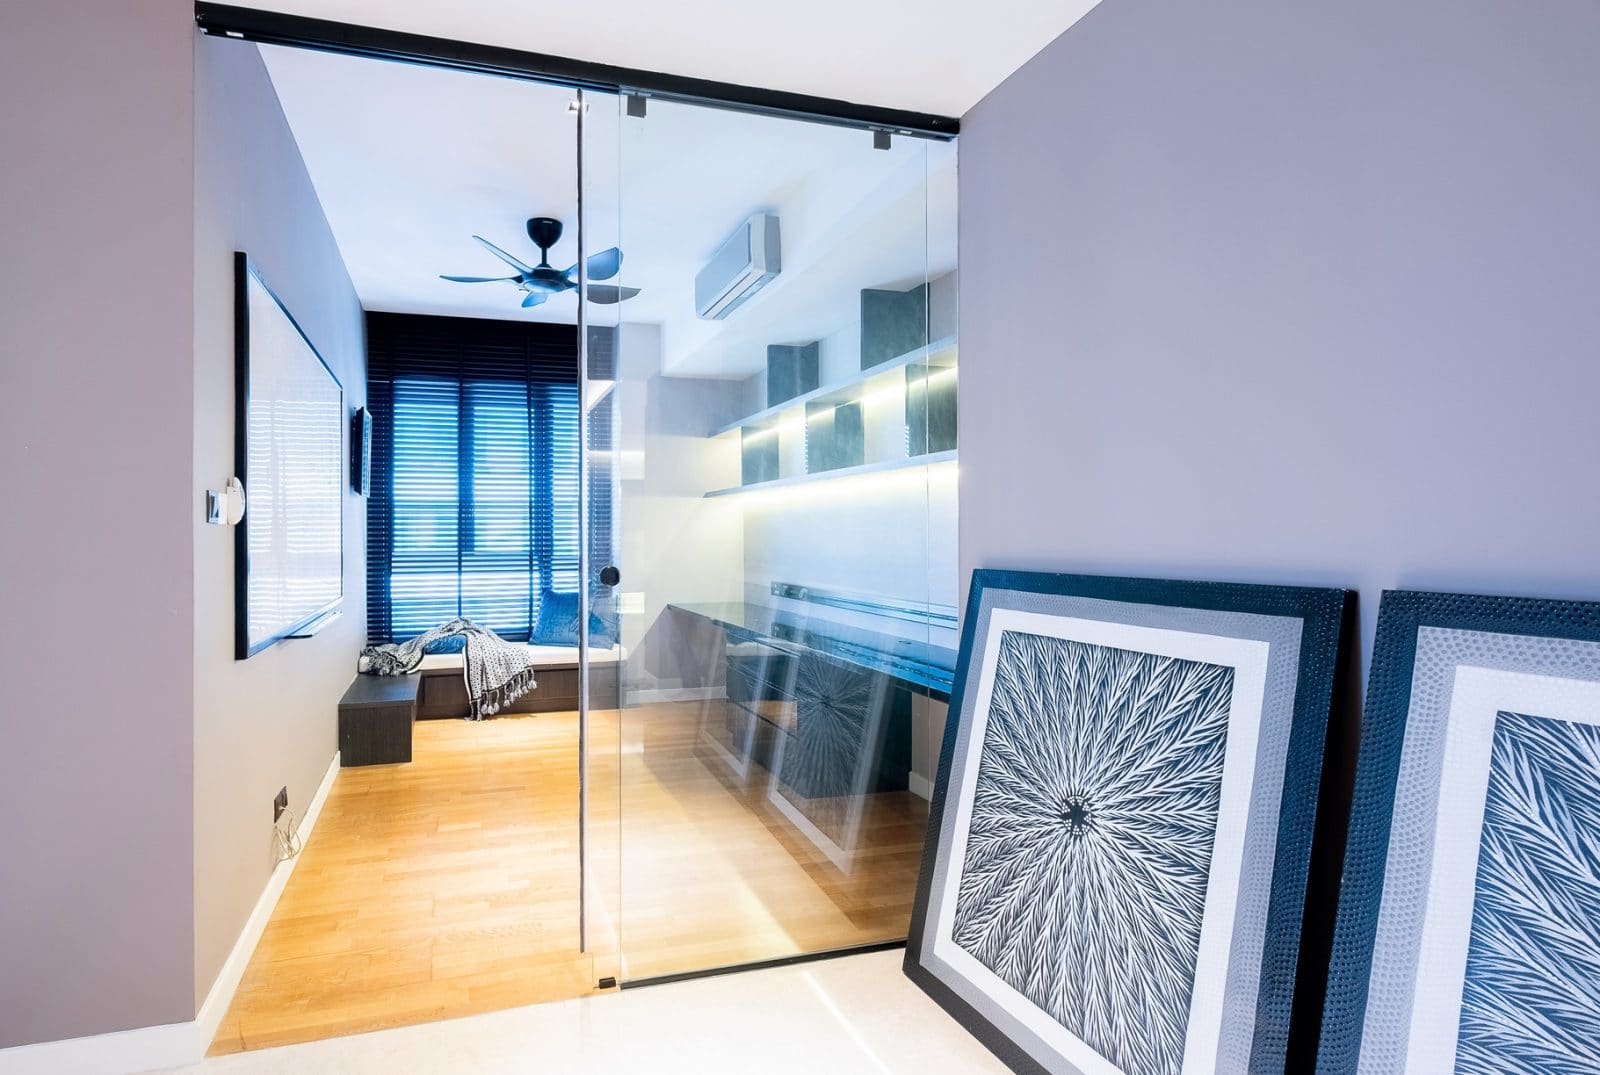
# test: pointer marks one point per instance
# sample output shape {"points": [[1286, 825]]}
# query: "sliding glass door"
{"points": [[595, 119], [770, 441]]}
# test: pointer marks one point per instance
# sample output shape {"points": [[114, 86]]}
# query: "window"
{"points": [[474, 509]]}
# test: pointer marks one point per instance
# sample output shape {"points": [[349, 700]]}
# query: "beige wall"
{"points": [[891, 534], [270, 721]]}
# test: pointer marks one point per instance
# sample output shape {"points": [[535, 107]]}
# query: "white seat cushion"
{"points": [[543, 657]]}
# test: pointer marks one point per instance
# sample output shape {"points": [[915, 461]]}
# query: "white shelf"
{"points": [[931, 459], [921, 354]]}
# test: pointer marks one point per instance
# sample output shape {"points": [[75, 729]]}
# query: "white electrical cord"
{"points": [[285, 837]]}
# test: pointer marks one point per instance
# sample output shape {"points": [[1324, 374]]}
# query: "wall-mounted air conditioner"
{"points": [[742, 266]]}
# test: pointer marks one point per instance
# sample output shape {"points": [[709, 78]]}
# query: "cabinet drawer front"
{"points": [[556, 682], [445, 690], [757, 679], [374, 735]]}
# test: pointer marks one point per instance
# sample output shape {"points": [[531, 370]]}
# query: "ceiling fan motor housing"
{"points": [[545, 232]]}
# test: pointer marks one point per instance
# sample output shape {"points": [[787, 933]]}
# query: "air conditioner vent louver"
{"points": [[744, 264]]}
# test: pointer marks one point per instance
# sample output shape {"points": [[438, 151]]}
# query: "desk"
{"points": [[925, 663], [823, 701]]}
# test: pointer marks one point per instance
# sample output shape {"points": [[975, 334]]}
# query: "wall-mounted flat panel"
{"points": [[758, 454], [892, 323], [792, 369], [835, 436], [289, 548]]}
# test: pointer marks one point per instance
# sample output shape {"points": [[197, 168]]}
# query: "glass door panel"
{"points": [[597, 121], [780, 452]]}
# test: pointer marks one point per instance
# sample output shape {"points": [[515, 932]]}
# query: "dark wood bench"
{"points": [[375, 719]]}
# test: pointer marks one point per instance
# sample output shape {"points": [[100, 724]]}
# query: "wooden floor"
{"points": [[712, 871], [449, 886], [439, 888]]}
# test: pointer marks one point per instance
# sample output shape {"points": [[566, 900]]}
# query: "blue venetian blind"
{"points": [[474, 508]]}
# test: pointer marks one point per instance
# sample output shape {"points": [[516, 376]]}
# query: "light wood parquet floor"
{"points": [[449, 886]]}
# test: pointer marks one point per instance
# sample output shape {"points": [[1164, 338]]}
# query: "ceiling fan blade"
{"points": [[607, 295], [602, 266], [481, 279], [503, 256], [606, 264], [534, 298]]}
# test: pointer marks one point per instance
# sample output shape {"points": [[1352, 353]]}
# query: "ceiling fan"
{"points": [[539, 282]]}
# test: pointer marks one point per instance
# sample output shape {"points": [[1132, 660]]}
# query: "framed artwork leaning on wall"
{"points": [[1468, 935], [1120, 837]]}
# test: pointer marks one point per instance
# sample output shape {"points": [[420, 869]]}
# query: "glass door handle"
{"points": [[609, 575]]}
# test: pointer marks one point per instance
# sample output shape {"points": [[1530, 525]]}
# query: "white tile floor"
{"points": [[834, 1017]]}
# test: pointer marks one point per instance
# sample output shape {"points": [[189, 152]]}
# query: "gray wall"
{"points": [[1265, 292], [269, 721], [96, 602]]}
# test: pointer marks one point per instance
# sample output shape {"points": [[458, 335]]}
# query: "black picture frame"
{"points": [[1416, 701], [244, 271], [1323, 621], [361, 451]]}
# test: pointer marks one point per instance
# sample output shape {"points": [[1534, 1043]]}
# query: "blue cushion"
{"points": [[450, 644], [558, 623]]}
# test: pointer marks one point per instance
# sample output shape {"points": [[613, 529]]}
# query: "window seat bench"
{"points": [[443, 691]]}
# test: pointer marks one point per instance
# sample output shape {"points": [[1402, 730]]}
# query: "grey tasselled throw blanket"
{"points": [[497, 672]]}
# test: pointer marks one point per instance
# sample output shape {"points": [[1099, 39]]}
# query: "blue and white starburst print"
{"points": [[837, 711], [1093, 822], [1531, 1000]]}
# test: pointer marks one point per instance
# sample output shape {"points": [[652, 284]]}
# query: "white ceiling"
{"points": [[938, 56], [410, 162]]}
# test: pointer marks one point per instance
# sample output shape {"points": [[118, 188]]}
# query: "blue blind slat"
{"points": [[474, 508]]}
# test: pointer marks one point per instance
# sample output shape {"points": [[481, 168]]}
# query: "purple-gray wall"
{"points": [[1269, 292], [270, 721], [1284, 293], [140, 759], [97, 608]]}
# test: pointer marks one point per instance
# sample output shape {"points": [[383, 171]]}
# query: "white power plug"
{"points": [[285, 838]]}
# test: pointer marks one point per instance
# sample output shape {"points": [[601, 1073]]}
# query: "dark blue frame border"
{"points": [[1328, 617], [243, 269], [1383, 725]]}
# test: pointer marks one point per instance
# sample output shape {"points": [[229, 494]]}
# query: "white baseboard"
{"points": [[153, 1048], [149, 1048], [227, 983], [920, 786]]}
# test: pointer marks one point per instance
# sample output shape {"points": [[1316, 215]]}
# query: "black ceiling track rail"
{"points": [[274, 28]]}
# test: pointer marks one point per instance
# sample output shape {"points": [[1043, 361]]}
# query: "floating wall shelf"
{"points": [[928, 460], [842, 388]]}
